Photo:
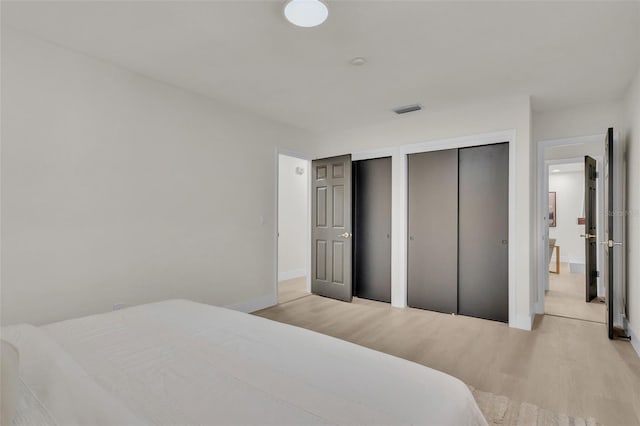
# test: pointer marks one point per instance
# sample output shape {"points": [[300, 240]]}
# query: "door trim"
{"points": [[307, 158], [374, 153], [542, 201]]}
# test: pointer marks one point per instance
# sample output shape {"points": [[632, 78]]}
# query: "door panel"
{"points": [[372, 229], [321, 260], [483, 215], [433, 231], [338, 262], [331, 229], [614, 235], [338, 206], [608, 237], [590, 234], [321, 206]]}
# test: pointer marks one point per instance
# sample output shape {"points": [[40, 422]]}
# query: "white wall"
{"points": [[633, 206], [120, 189], [582, 120], [454, 121], [569, 188], [594, 149], [292, 217]]}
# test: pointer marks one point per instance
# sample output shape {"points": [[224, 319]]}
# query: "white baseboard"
{"points": [[635, 342], [566, 259], [255, 304], [524, 322], [577, 268], [288, 275]]}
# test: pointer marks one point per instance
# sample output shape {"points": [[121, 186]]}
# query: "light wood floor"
{"points": [[292, 289], [566, 297], [565, 365]]}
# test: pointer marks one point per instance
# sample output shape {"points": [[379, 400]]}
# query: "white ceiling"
{"points": [[245, 53]]}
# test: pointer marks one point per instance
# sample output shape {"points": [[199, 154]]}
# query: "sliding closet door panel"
{"points": [[483, 232], [433, 230], [372, 229]]}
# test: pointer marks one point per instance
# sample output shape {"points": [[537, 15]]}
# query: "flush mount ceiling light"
{"points": [[306, 13]]}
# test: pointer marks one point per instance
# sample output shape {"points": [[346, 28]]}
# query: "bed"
{"points": [[180, 362]]}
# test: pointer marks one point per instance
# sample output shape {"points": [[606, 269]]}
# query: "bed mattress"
{"points": [[180, 362]]}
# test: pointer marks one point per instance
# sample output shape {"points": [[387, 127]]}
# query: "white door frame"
{"points": [[307, 158], [542, 197]]}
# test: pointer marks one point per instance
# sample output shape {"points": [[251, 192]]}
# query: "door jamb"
{"points": [[307, 158]]}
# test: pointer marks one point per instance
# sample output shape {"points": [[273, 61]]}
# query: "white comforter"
{"points": [[179, 362]]}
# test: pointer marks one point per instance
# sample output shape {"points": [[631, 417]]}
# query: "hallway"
{"points": [[566, 297]]}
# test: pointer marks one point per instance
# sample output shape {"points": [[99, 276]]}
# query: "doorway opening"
{"points": [[293, 227], [372, 229], [571, 199], [566, 294]]}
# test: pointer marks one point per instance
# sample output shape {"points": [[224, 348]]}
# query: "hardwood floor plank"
{"points": [[564, 365]]}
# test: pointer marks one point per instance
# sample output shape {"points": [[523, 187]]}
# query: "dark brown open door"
{"points": [[590, 234], [608, 177], [331, 264], [613, 236]]}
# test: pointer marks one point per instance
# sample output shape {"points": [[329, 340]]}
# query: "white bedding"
{"points": [[180, 362]]}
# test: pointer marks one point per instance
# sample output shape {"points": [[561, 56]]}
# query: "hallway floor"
{"points": [[292, 289], [565, 297]]}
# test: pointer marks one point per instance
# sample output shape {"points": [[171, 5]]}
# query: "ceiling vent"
{"points": [[407, 108]]}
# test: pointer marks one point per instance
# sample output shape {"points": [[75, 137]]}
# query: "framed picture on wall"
{"points": [[552, 209]]}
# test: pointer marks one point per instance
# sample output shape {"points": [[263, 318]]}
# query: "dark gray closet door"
{"points": [[483, 289], [372, 229], [433, 231], [331, 227]]}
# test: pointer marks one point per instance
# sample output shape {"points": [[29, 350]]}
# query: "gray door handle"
{"points": [[345, 235]]}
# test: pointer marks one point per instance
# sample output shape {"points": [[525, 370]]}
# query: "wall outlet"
{"points": [[118, 306]]}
